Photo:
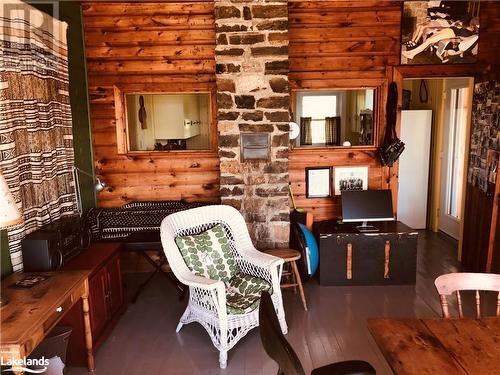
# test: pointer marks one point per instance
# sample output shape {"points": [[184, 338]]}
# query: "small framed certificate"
{"points": [[319, 182]]}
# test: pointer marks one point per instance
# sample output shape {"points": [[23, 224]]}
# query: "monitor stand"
{"points": [[365, 228]]}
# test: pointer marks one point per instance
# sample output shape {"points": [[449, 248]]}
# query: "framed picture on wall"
{"points": [[439, 32], [350, 178], [319, 182]]}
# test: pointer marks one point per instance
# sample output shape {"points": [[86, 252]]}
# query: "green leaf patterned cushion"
{"points": [[208, 254], [240, 304], [243, 293]]}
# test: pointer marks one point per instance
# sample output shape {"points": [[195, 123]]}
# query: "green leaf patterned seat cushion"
{"points": [[208, 254], [243, 293]]}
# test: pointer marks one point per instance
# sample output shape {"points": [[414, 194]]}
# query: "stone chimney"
{"points": [[253, 97]]}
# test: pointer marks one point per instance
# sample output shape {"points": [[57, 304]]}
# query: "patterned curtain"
{"points": [[36, 142], [332, 131], [305, 131]]}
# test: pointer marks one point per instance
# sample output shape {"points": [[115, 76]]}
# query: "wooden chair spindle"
{"points": [[478, 305], [444, 306], [459, 302]]}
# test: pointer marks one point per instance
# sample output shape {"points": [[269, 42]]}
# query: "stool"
{"points": [[290, 256]]}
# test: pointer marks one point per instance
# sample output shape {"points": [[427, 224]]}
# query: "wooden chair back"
{"points": [[273, 340], [455, 282]]}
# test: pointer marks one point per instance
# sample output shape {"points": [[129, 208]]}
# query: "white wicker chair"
{"points": [[207, 298]]}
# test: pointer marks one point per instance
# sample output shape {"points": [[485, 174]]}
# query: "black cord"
{"points": [[391, 113], [423, 93]]}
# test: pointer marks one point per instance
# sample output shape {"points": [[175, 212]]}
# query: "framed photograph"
{"points": [[319, 182], [439, 32], [350, 178]]}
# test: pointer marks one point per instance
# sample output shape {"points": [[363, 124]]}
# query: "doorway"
{"points": [[454, 143], [440, 159]]}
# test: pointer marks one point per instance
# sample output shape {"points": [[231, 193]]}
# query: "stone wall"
{"points": [[253, 96]]}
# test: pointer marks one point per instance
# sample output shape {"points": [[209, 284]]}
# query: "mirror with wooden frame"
{"points": [[149, 122], [335, 118]]}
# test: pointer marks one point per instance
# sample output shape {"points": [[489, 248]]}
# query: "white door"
{"points": [[416, 128], [453, 156]]}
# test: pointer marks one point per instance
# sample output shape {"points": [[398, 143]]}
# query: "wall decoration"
{"points": [[36, 134], [485, 135], [319, 182], [143, 115], [439, 32], [350, 178]]}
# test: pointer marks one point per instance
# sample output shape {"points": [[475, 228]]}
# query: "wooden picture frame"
{"points": [[357, 176], [319, 182]]}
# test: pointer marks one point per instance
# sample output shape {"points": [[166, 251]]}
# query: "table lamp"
{"points": [[9, 215]]}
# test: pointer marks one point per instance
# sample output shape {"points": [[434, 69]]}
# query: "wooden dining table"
{"points": [[439, 346]]}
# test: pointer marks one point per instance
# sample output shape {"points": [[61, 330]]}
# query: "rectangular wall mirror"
{"points": [[330, 118], [168, 121]]}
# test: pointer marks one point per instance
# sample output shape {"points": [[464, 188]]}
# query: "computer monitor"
{"points": [[366, 205]]}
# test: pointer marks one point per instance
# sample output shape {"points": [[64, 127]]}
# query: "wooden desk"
{"points": [[439, 346], [32, 313]]}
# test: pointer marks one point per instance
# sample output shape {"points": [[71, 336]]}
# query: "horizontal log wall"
{"points": [[149, 47], [343, 44], [335, 45], [170, 46]]}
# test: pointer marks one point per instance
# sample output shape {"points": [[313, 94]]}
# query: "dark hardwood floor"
{"points": [[334, 329]]}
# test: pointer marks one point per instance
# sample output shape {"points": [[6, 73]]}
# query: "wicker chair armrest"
{"points": [[260, 259], [208, 294], [190, 279], [265, 266]]}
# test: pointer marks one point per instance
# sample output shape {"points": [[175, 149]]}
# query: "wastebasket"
{"points": [[55, 344]]}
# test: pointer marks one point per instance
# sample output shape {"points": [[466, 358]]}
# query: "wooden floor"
{"points": [[334, 329]]}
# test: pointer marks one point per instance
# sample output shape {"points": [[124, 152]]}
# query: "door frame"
{"points": [[397, 74], [447, 87]]}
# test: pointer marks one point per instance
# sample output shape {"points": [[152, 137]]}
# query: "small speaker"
{"points": [[55, 244], [41, 252]]}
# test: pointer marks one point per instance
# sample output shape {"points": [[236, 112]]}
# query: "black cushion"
{"points": [[115, 224]]}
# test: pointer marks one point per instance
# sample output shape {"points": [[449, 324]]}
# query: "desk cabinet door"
{"points": [[98, 302], [114, 285]]}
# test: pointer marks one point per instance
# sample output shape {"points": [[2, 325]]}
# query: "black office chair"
{"points": [[281, 351]]}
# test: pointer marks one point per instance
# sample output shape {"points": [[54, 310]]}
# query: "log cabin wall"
{"points": [[170, 46], [149, 47], [340, 45], [353, 44]]}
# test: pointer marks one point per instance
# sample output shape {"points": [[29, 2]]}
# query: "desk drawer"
{"points": [[57, 314]]}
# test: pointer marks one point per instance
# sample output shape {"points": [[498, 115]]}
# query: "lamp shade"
{"points": [[9, 214]]}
